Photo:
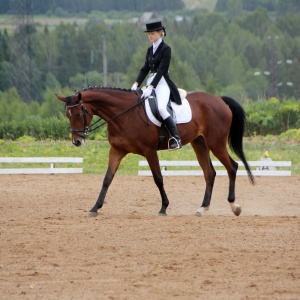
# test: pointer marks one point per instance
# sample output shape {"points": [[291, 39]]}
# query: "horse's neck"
{"points": [[109, 103]]}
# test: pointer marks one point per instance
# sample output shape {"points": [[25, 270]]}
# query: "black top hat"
{"points": [[156, 26]]}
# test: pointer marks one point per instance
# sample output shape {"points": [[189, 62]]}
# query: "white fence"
{"points": [[191, 168], [41, 160]]}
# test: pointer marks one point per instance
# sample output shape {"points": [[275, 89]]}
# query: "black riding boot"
{"points": [[174, 141]]}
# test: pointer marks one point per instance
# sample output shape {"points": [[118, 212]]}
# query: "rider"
{"points": [[157, 62]]}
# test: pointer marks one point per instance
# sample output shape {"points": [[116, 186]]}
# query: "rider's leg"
{"points": [[162, 92], [174, 142]]}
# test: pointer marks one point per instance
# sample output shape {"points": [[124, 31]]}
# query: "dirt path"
{"points": [[50, 250]]}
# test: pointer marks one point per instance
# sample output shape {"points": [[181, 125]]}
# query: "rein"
{"points": [[87, 129]]}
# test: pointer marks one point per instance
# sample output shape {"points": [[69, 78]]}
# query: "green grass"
{"points": [[95, 153]]}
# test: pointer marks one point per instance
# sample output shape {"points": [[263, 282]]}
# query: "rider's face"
{"points": [[154, 36]]}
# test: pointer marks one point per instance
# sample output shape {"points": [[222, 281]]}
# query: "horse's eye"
{"points": [[79, 115]]}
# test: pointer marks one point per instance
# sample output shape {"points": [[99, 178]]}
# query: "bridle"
{"points": [[84, 132], [88, 129]]}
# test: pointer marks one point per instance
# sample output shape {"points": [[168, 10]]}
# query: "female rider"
{"points": [[157, 62]]}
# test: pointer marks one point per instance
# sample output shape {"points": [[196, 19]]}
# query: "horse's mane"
{"points": [[89, 88]]}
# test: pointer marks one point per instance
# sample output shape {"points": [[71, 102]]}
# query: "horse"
{"points": [[216, 121]]}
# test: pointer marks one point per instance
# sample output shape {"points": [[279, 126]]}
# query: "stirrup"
{"points": [[175, 145]]}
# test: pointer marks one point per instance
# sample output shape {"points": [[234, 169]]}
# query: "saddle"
{"points": [[154, 108], [180, 113]]}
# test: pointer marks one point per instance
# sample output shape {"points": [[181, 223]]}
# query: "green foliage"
{"points": [[5, 71], [12, 106], [209, 52], [26, 138], [52, 82], [209, 45], [291, 135], [212, 85], [91, 78], [51, 106], [36, 127], [272, 116]]}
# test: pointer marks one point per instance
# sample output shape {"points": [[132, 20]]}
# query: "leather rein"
{"points": [[88, 129]]}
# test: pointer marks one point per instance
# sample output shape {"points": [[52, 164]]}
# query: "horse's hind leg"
{"points": [[231, 166], [202, 153], [115, 157]]}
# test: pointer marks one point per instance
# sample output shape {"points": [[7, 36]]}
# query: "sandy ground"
{"points": [[50, 250]]}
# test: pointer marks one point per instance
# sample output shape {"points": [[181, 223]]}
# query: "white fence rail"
{"points": [[41, 160], [188, 168]]}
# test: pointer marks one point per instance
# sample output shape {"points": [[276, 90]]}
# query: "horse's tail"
{"points": [[235, 138]]}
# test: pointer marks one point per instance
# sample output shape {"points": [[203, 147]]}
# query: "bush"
{"points": [[272, 116], [53, 128], [36, 127], [291, 135]]}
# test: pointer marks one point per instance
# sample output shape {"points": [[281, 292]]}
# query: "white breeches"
{"points": [[162, 92]]}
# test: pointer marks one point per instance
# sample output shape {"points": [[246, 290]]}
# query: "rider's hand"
{"points": [[147, 92], [134, 87]]}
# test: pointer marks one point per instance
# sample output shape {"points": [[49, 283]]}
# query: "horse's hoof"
{"points": [[92, 214], [198, 214], [237, 210], [162, 214], [200, 211]]}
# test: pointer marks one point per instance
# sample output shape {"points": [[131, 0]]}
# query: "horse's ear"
{"points": [[79, 96], [63, 99]]}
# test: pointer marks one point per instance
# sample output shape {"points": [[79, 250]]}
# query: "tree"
{"points": [[257, 22], [183, 74], [5, 80], [51, 106], [289, 24], [211, 84], [234, 8], [291, 6], [67, 48], [12, 106], [52, 82], [4, 46]]}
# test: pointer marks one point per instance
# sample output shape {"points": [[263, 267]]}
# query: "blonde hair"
{"points": [[162, 33]]}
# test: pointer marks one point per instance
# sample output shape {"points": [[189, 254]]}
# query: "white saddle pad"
{"points": [[182, 113]]}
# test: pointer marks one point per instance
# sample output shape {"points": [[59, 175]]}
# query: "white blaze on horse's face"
{"points": [[77, 121], [69, 112], [77, 114]]}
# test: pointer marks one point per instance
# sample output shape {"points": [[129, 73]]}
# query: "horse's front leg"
{"points": [[158, 179], [115, 157]]}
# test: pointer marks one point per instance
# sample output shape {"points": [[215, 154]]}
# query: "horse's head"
{"points": [[79, 115]]}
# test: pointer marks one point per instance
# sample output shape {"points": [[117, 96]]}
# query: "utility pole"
{"points": [[104, 61], [273, 67]]}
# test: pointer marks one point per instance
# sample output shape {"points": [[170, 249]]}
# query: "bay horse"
{"points": [[215, 122]]}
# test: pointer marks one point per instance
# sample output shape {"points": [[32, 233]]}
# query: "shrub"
{"points": [[272, 116], [36, 127]]}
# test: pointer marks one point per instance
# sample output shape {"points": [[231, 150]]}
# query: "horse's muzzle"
{"points": [[78, 143]]}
